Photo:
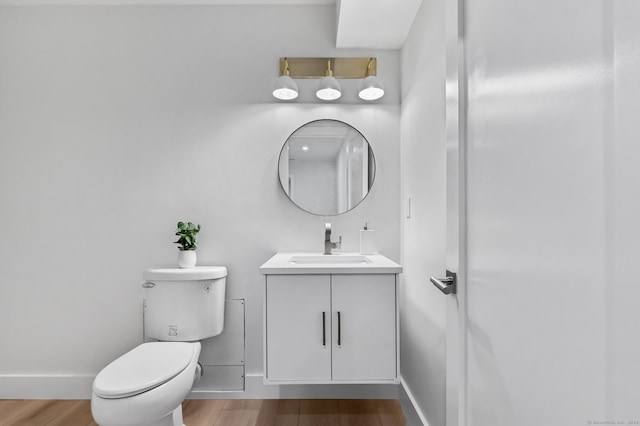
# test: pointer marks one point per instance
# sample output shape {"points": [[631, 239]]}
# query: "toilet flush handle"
{"points": [[148, 285]]}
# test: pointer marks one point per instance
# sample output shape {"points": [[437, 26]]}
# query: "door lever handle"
{"points": [[446, 285]]}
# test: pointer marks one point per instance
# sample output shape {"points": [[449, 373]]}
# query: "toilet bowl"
{"points": [[146, 386]]}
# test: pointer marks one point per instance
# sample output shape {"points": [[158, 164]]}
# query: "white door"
{"points": [[364, 327], [298, 327], [552, 205]]}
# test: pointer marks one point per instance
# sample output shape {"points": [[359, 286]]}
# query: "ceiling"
{"points": [[379, 24]]}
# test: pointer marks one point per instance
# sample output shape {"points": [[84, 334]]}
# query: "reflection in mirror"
{"points": [[326, 167]]}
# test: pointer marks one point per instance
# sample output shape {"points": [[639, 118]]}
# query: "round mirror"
{"points": [[326, 167]]}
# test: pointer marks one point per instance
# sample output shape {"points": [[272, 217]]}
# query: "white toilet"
{"points": [[146, 386]]}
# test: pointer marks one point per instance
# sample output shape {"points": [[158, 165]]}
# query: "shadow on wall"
{"points": [[423, 349]]}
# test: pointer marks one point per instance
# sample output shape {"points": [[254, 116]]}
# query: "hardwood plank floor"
{"points": [[232, 412], [46, 412]]}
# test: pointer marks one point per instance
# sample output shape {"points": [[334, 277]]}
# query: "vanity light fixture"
{"points": [[285, 88], [328, 88], [371, 87], [328, 70]]}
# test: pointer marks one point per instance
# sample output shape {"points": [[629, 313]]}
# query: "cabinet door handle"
{"points": [[324, 329], [339, 330]]}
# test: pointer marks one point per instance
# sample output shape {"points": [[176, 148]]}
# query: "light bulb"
{"points": [[285, 88], [371, 89], [328, 89]]}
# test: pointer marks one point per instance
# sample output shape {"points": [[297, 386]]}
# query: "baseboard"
{"points": [[45, 387], [410, 408], [79, 387], [255, 388]]}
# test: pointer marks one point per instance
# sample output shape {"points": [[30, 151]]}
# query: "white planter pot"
{"points": [[186, 259]]}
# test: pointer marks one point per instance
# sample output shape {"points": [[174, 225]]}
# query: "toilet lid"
{"points": [[144, 367]]}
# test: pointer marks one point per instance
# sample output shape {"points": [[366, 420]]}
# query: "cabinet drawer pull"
{"points": [[324, 329], [339, 330]]}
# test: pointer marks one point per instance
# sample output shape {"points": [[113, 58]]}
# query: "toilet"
{"points": [[147, 385]]}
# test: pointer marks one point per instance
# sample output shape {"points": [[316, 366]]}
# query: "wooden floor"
{"points": [[247, 412]]}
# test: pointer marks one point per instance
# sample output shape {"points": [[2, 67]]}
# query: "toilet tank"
{"points": [[183, 305]]}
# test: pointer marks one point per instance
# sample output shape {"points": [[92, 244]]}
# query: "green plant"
{"points": [[187, 235]]}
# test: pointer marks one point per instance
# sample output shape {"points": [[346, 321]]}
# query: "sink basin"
{"points": [[318, 263], [329, 259]]}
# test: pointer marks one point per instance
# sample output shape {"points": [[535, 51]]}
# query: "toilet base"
{"points": [[176, 417], [172, 419]]}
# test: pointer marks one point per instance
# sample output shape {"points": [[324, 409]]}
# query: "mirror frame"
{"points": [[371, 177]]}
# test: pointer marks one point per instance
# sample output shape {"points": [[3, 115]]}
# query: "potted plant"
{"points": [[186, 233]]}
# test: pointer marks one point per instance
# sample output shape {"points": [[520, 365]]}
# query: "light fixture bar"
{"points": [[317, 67]]}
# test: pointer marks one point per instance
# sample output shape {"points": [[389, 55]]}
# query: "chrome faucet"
{"points": [[328, 244]]}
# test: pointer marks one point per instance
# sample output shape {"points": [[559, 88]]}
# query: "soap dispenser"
{"points": [[367, 242]]}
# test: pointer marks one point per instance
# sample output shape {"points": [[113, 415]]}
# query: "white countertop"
{"points": [[338, 263]]}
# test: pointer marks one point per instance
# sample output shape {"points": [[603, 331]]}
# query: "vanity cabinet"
{"points": [[331, 328]]}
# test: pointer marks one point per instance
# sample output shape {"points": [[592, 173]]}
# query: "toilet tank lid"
{"points": [[144, 367], [189, 274]]}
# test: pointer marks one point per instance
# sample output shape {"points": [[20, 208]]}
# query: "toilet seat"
{"points": [[143, 368]]}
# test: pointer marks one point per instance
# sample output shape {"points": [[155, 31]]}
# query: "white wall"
{"points": [[422, 306], [117, 122]]}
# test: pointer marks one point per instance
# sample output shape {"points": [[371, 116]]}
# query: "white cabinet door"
{"points": [[364, 327], [298, 345]]}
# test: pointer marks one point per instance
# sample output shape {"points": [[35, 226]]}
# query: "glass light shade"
{"points": [[371, 89], [328, 89], [285, 88]]}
